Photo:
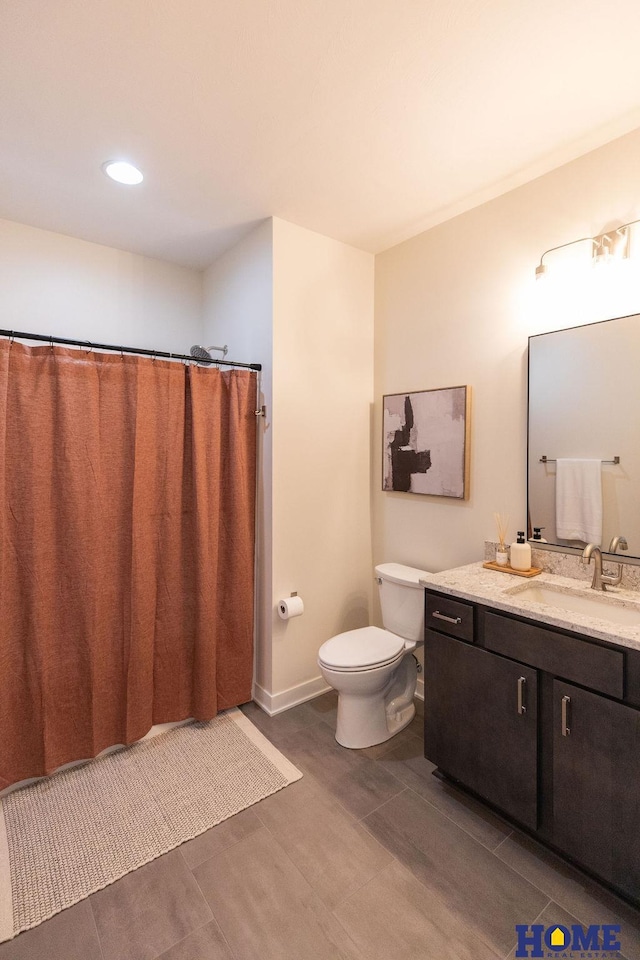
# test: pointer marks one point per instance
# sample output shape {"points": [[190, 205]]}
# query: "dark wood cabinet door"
{"points": [[481, 713], [596, 784]]}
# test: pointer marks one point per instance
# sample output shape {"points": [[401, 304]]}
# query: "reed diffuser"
{"points": [[502, 552]]}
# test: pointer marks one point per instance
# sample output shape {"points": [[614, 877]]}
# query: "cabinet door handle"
{"points": [[522, 682], [566, 729], [442, 616]]}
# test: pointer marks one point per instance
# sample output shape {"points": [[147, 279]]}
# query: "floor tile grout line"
{"points": [[308, 773], [330, 910], [313, 889], [228, 846], [200, 926], [362, 886], [450, 819], [433, 894], [558, 899], [365, 883], [95, 924], [354, 823], [395, 796], [504, 840], [232, 952], [549, 902], [545, 893], [382, 803], [494, 850], [216, 920]]}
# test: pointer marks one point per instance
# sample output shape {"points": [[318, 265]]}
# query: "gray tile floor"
{"points": [[368, 856]]}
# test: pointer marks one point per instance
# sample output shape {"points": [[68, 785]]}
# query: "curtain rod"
{"points": [[106, 346]]}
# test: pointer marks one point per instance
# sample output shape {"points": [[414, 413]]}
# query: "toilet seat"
{"points": [[364, 649]]}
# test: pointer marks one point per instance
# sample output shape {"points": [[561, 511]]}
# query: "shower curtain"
{"points": [[126, 549]]}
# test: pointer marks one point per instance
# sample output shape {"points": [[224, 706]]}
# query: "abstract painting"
{"points": [[425, 442]]}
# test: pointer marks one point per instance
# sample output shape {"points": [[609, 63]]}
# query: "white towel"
{"points": [[579, 500]]}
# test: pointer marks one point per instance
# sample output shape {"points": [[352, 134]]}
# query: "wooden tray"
{"points": [[531, 572]]}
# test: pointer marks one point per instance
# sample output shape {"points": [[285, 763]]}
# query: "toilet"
{"points": [[373, 670]]}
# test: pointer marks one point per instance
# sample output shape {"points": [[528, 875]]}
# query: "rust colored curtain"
{"points": [[126, 549]]}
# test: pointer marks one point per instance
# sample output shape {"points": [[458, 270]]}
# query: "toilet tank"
{"points": [[402, 600]]}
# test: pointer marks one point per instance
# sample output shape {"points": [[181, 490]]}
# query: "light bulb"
{"points": [[123, 172], [620, 244]]}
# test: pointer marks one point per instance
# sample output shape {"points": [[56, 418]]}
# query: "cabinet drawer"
{"points": [[586, 663], [454, 617]]}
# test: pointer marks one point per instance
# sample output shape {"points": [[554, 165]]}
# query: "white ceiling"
{"points": [[366, 120]]}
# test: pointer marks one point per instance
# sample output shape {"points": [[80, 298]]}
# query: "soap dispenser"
{"points": [[521, 553], [537, 534]]}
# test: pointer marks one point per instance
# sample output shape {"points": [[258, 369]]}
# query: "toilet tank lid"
{"points": [[399, 573]]}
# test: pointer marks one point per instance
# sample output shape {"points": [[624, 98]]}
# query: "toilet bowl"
{"points": [[374, 670]]}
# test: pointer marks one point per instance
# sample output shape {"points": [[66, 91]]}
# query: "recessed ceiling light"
{"points": [[122, 172]]}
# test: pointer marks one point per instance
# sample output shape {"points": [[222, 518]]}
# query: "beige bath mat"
{"points": [[71, 834]]}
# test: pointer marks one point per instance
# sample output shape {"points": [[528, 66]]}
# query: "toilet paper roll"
{"points": [[291, 607]]}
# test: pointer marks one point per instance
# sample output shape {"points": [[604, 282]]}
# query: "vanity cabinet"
{"points": [[487, 736], [540, 723], [596, 784]]}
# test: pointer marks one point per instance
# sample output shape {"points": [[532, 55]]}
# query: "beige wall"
{"points": [[302, 305], [323, 390], [238, 311], [456, 305], [71, 288]]}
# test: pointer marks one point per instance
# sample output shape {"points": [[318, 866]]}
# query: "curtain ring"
{"points": [[153, 358], [89, 346], [51, 341]]}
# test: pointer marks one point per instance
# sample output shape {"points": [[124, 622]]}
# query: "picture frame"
{"points": [[425, 442]]}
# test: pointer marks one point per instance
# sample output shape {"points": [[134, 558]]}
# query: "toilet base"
{"points": [[362, 723], [367, 716]]}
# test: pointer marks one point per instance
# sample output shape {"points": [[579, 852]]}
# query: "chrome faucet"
{"points": [[600, 580]]}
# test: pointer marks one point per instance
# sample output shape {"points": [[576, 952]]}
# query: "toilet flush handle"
{"points": [[378, 580]]}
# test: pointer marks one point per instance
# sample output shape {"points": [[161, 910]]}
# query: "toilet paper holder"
{"points": [[287, 610]]}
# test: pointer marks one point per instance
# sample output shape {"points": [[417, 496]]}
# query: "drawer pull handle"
{"points": [[566, 729], [442, 616], [522, 682]]}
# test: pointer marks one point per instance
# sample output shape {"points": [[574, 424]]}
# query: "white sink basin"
{"points": [[602, 606]]}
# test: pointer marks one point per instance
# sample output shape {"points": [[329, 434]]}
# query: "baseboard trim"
{"points": [[273, 703]]}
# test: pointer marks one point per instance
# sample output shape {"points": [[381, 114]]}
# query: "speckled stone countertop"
{"points": [[507, 592]]}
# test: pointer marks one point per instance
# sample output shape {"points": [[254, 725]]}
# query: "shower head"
{"points": [[204, 353], [200, 353]]}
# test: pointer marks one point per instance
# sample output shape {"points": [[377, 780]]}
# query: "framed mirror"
{"points": [[584, 404]]}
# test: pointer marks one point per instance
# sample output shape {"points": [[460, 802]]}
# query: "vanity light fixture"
{"points": [[602, 249], [605, 248], [542, 268], [621, 242], [123, 172]]}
